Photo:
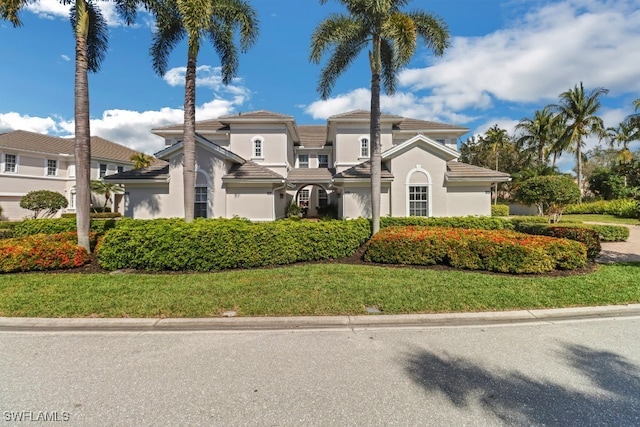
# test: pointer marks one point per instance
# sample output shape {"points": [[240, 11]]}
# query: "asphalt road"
{"points": [[568, 373]]}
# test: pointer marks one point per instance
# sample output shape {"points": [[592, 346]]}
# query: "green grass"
{"points": [[315, 289], [609, 219]]}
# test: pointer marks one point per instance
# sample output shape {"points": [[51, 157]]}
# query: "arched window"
{"points": [[418, 192], [365, 146], [201, 200], [258, 147]]}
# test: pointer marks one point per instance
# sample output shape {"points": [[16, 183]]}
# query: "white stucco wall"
{"points": [[253, 203], [356, 201], [347, 145], [275, 149], [150, 201], [469, 200]]}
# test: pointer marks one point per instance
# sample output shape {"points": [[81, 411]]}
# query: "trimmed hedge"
{"points": [[626, 208], [610, 233], [586, 236], [95, 215], [476, 222], [58, 225], [41, 252], [500, 251], [499, 210], [215, 244]]}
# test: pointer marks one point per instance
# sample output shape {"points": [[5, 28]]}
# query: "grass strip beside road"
{"points": [[301, 290], [608, 219]]}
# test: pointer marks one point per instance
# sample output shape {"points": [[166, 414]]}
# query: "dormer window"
{"points": [[303, 161], [323, 160], [257, 147], [364, 146]]}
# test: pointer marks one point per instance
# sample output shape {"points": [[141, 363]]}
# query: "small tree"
{"points": [[43, 201], [550, 194], [105, 189]]}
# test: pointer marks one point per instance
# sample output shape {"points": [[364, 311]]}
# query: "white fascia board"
{"points": [[478, 180]]}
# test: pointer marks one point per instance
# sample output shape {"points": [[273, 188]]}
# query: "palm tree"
{"points": [[141, 160], [622, 135], [538, 134], [216, 20], [90, 32], [392, 36], [105, 189], [579, 110]]}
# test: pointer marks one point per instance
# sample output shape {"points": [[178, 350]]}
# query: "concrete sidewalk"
{"points": [[18, 324], [628, 251]]}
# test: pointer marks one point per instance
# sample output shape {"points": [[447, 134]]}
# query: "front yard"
{"points": [[313, 289]]}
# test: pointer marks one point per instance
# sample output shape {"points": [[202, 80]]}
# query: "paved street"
{"points": [[569, 373]]}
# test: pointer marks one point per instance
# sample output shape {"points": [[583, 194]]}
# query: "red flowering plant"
{"points": [[492, 250], [41, 252]]}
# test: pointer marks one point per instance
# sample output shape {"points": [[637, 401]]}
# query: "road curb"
{"points": [[21, 324]]}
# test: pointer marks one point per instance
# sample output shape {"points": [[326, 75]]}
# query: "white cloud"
{"points": [[549, 51], [52, 9], [14, 121], [65, 57], [209, 77]]}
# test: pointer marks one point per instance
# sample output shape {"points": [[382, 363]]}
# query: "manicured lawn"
{"points": [[314, 289], [609, 219]]}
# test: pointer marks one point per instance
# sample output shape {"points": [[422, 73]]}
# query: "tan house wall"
{"points": [[150, 201], [469, 200], [347, 145], [250, 202], [274, 145], [356, 201]]}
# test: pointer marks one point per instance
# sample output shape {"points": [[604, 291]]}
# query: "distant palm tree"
{"points": [[105, 189], [217, 21], [90, 32], [392, 36], [538, 134], [141, 160], [622, 135], [579, 110]]}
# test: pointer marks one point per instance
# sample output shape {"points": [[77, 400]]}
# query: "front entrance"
{"points": [[315, 202]]}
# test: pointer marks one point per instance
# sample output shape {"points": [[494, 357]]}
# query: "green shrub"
{"points": [[475, 222], [95, 215], [610, 233], [58, 225], [41, 252], [625, 208], [6, 233], [493, 250], [43, 201], [516, 220], [586, 236], [499, 210], [215, 244]]}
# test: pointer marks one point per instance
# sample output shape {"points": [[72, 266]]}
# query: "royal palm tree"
{"points": [[579, 110], [90, 31], [141, 160], [217, 21], [538, 134], [391, 36]]}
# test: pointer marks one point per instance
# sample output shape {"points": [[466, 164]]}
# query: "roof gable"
{"points": [[421, 141], [204, 142]]}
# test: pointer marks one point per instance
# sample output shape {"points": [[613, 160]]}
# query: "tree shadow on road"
{"points": [[519, 400]]}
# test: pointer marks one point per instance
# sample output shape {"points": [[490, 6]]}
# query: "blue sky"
{"points": [[507, 59]]}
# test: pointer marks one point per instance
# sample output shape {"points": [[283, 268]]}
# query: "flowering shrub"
{"points": [[41, 252], [476, 222], [586, 236], [58, 225], [501, 251]]}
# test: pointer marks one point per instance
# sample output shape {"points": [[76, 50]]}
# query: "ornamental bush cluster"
{"points": [[625, 208], [41, 252], [586, 236], [499, 210], [215, 244], [58, 225], [499, 251], [476, 222]]}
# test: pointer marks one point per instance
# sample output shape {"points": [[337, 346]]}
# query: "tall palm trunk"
{"points": [[374, 134], [82, 146], [189, 141]]}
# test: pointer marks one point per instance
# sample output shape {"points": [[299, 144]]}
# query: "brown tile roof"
{"points": [[310, 175], [363, 170], [30, 141], [313, 136], [158, 170], [251, 170], [418, 125], [364, 115], [259, 114], [457, 169], [202, 126]]}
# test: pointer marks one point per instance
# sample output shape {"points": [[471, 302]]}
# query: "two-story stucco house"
{"points": [[31, 161], [254, 165]]}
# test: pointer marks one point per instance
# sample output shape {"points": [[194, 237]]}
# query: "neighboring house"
{"points": [[254, 165], [31, 161]]}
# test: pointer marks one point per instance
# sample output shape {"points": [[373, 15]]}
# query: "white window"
{"points": [[10, 163], [200, 203], [120, 169], [72, 200], [364, 147], [257, 148], [52, 167], [303, 160], [323, 160], [418, 200], [323, 199], [103, 170]]}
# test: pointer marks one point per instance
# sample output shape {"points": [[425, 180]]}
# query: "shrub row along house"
{"points": [[31, 161], [256, 164]]}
